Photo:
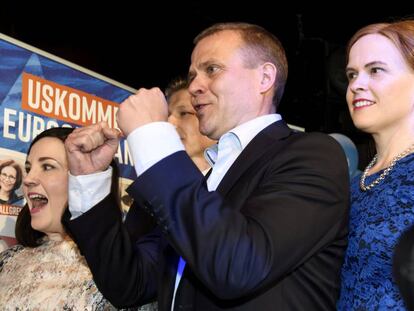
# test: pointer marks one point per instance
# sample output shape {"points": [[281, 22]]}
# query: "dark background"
{"points": [[147, 44]]}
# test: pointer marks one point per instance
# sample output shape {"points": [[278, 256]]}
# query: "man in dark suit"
{"points": [[266, 230]]}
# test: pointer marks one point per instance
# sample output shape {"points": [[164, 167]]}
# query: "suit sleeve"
{"points": [[125, 271], [277, 216]]}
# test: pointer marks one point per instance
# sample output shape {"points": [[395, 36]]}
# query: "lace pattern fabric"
{"points": [[378, 217], [53, 276]]}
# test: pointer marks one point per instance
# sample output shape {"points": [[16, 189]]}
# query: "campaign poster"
{"points": [[39, 91]]}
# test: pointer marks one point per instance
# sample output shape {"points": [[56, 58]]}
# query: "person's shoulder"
{"points": [[318, 149], [9, 253], [13, 249], [316, 140], [318, 136]]}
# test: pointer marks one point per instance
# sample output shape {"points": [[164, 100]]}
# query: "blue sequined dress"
{"points": [[377, 219]]}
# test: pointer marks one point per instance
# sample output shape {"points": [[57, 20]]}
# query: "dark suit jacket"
{"points": [[272, 237]]}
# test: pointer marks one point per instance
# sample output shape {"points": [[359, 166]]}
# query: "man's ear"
{"points": [[268, 76]]}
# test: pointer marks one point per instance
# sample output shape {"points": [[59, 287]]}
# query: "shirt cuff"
{"points": [[151, 143], [85, 191]]}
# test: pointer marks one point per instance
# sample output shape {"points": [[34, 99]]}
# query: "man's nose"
{"points": [[197, 86]]}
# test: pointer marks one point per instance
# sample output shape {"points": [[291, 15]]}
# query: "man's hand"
{"points": [[91, 149], [144, 107]]}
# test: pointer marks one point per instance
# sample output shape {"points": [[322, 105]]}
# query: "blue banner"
{"points": [[38, 91]]}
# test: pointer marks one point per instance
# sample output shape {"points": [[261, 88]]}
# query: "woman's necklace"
{"points": [[385, 172]]}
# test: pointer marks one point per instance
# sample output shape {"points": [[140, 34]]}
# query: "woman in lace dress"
{"points": [[380, 98], [46, 271]]}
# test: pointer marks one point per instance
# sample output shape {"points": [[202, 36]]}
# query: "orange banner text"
{"points": [[64, 103]]}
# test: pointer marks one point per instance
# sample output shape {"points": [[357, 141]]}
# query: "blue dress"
{"points": [[377, 219]]}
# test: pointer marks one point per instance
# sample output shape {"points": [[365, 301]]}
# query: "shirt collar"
{"points": [[242, 134], [210, 154]]}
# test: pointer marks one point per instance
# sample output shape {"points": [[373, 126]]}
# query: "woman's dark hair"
{"points": [[25, 234], [19, 173]]}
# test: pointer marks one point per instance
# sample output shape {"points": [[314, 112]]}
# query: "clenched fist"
{"points": [[91, 149], [144, 107]]}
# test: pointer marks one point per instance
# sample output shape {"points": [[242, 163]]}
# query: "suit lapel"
{"points": [[259, 145]]}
